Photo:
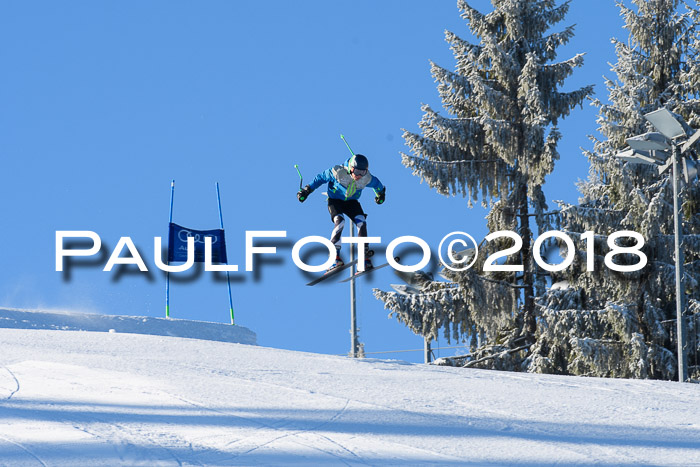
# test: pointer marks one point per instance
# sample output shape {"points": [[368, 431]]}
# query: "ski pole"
{"points": [[346, 143], [301, 179]]}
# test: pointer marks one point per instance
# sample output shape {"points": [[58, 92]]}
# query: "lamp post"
{"points": [[653, 148], [354, 342], [681, 328]]}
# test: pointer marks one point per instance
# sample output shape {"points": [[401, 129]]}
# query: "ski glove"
{"points": [[304, 193], [381, 196]]}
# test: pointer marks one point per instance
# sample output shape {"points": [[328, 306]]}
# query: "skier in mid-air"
{"points": [[345, 185]]}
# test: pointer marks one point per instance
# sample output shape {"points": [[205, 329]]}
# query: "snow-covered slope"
{"points": [[96, 398], [72, 321]]}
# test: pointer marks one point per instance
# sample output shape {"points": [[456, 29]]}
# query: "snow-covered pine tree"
{"points": [[623, 324], [496, 145]]}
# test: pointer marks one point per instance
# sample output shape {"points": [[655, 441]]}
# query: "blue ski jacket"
{"points": [[342, 185]]}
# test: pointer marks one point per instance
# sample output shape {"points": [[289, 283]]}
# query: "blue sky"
{"points": [[104, 103]]}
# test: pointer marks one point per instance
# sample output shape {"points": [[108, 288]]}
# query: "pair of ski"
{"points": [[335, 271]]}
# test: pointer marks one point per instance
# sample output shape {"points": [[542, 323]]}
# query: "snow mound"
{"points": [[101, 399], [72, 398], [75, 321]]}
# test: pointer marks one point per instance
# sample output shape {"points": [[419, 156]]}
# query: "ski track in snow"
{"points": [[6, 388], [336, 416], [23, 448], [257, 444], [433, 418], [6, 385], [310, 432]]}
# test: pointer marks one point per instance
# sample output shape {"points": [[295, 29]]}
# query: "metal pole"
{"points": [[167, 261], [428, 351], [228, 277], [680, 292], [353, 302]]}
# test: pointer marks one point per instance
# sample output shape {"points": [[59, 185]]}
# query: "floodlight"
{"points": [[690, 169], [666, 166], [629, 156], [649, 142], [666, 123], [654, 157], [636, 156], [690, 142]]}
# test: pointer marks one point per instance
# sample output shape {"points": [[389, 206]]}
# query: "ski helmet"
{"points": [[358, 161]]}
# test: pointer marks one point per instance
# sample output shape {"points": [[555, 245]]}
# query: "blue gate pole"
{"points": [[228, 277], [167, 261]]}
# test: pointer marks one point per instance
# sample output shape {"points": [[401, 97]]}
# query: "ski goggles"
{"points": [[359, 172]]}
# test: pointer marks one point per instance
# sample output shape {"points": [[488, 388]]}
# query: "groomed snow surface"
{"points": [[90, 398]]}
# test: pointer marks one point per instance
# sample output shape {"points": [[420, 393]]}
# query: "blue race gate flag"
{"points": [[177, 244]]}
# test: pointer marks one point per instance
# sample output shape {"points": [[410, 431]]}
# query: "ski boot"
{"points": [[368, 262], [338, 263]]}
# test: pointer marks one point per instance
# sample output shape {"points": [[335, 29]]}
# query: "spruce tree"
{"points": [[496, 145], [616, 324]]}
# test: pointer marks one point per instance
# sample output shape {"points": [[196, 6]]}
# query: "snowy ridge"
{"points": [[72, 398], [73, 321]]}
